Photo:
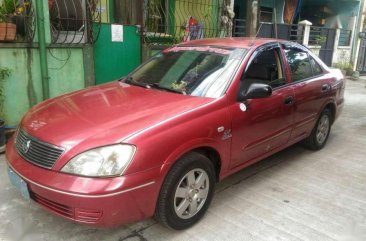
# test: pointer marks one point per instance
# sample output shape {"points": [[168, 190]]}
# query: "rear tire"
{"points": [[187, 192], [319, 135]]}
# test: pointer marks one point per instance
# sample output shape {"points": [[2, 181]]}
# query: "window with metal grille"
{"points": [[128, 12], [266, 15], [168, 22], [345, 37], [17, 21], [71, 20]]}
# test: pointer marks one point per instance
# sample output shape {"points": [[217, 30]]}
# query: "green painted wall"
{"points": [[345, 10], [240, 8], [341, 10], [113, 60], [23, 88], [66, 70]]}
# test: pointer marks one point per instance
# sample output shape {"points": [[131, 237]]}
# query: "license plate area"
{"points": [[19, 184]]}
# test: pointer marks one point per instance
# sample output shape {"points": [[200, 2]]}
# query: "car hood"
{"points": [[104, 114]]}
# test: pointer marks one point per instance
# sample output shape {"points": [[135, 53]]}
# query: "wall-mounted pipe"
{"points": [[42, 49]]}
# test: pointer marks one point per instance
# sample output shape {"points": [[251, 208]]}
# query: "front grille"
{"points": [[37, 151]]}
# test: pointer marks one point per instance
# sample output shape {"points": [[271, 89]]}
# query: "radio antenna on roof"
{"points": [[256, 35]]}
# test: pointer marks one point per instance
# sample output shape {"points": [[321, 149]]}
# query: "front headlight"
{"points": [[103, 161]]}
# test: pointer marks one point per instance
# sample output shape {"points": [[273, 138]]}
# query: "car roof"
{"points": [[237, 42]]}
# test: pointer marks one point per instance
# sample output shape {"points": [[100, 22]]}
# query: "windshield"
{"points": [[197, 71]]}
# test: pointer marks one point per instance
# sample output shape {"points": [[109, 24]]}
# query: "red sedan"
{"points": [[157, 141]]}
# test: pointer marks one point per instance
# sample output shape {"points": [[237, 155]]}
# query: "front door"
{"points": [[262, 125]]}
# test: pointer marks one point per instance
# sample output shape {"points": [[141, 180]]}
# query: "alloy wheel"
{"points": [[322, 129], [191, 193]]}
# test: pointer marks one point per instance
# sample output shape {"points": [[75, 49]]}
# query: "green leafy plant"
{"points": [[4, 73], [11, 8], [344, 63], [345, 67], [7, 10], [319, 40]]}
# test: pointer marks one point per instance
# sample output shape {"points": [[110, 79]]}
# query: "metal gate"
{"points": [[325, 37], [167, 22], [291, 32], [239, 29], [170, 22], [113, 60], [361, 64]]}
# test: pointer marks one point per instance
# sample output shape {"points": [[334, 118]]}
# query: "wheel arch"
{"points": [[332, 108], [208, 150], [213, 155]]}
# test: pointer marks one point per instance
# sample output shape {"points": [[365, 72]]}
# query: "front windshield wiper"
{"points": [[158, 86], [130, 80]]}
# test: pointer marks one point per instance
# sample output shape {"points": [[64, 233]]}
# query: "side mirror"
{"points": [[255, 91]]}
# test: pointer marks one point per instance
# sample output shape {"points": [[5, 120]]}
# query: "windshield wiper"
{"points": [[130, 80], [158, 86]]}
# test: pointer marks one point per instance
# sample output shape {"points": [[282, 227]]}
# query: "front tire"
{"points": [[319, 135], [187, 192]]}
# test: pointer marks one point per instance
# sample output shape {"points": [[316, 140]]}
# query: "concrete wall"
{"points": [[23, 88], [315, 49], [342, 55]]}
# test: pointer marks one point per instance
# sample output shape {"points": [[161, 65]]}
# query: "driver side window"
{"points": [[265, 68]]}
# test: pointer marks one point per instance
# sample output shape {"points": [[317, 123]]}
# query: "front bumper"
{"points": [[99, 201]]}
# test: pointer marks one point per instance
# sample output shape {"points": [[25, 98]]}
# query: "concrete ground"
{"points": [[296, 194]]}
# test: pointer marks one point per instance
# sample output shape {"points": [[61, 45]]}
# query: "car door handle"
{"points": [[325, 88], [289, 100]]}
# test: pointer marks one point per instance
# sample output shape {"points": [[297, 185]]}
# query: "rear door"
{"points": [[262, 125], [311, 89]]}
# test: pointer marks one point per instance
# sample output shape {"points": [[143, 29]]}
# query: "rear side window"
{"points": [[299, 63], [316, 67]]}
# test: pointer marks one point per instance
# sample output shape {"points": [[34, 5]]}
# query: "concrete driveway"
{"points": [[294, 195]]}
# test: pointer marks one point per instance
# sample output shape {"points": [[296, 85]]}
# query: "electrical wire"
{"points": [[66, 60]]}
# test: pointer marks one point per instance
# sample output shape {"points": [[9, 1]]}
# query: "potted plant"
{"points": [[7, 27], [4, 73], [320, 40], [345, 67]]}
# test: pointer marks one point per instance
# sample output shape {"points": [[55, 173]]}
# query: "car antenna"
{"points": [[256, 35]]}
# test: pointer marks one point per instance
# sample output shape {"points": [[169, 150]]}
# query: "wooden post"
{"points": [[252, 19]]}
